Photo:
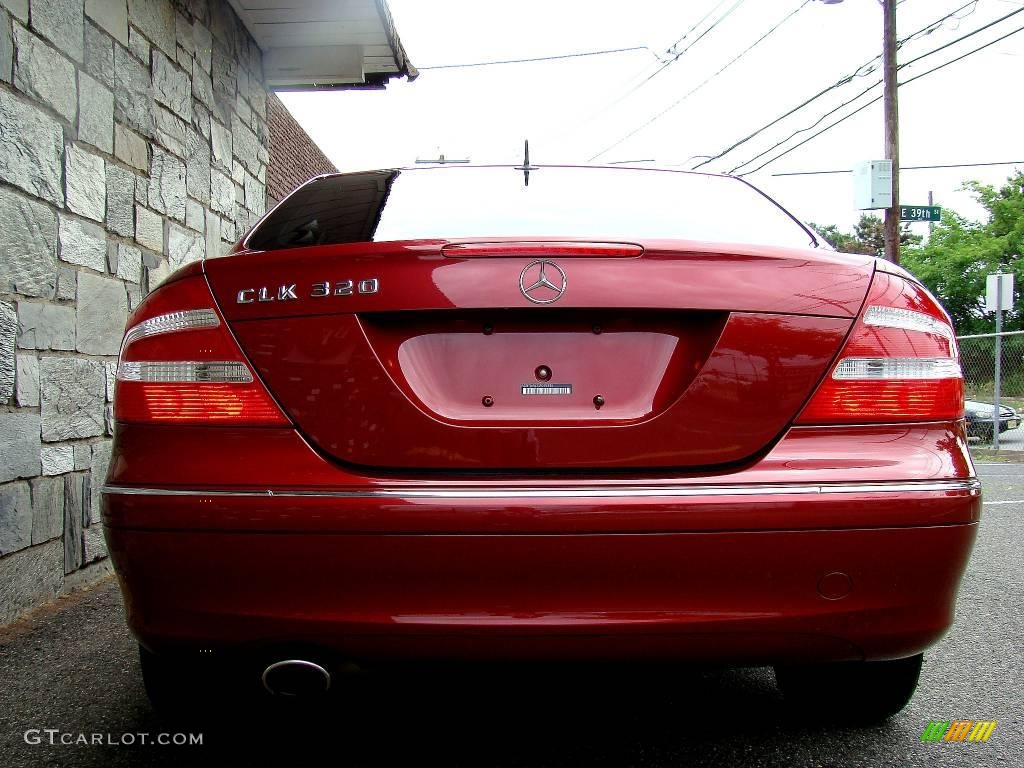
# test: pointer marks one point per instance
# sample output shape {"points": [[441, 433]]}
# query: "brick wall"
{"points": [[133, 140], [294, 158]]}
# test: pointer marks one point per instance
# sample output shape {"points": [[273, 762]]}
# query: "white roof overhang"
{"points": [[316, 44]]}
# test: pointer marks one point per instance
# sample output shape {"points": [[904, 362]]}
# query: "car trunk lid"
{"points": [[419, 355]]}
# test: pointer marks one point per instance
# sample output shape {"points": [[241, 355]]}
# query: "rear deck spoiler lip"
{"points": [[647, 246]]}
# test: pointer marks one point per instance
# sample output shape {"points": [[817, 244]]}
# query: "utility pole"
{"points": [[892, 130], [892, 125], [931, 224]]}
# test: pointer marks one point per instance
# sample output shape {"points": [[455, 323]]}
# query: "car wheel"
{"points": [[853, 692]]}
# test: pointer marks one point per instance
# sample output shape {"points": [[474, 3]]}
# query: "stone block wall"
{"points": [[133, 140]]}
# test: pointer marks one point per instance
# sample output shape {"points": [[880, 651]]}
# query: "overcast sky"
{"points": [[571, 110]]}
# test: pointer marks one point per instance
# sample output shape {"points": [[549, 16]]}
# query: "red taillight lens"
{"points": [[180, 364], [901, 363]]}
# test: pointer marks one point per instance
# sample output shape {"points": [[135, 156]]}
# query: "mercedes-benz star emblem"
{"points": [[542, 282]]}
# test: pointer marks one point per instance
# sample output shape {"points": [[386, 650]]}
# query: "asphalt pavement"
{"points": [[70, 673]]}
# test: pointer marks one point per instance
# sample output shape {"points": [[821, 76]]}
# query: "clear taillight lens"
{"points": [[181, 373], [183, 365], [900, 363], [186, 320]]}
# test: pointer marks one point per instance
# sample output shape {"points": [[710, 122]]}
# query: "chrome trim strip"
{"points": [[673, 491]]}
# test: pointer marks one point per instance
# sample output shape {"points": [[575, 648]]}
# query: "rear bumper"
{"points": [[732, 573]]}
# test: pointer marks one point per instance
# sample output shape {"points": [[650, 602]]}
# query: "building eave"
{"points": [[325, 44]]}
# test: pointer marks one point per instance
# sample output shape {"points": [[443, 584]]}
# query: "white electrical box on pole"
{"points": [[872, 185]]}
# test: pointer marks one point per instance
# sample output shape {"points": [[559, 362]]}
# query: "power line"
{"points": [[866, 90], [705, 17], [706, 32], [832, 111], [973, 32], [864, 69], [879, 98], [539, 58], [906, 168], [810, 127], [690, 93], [676, 55]]}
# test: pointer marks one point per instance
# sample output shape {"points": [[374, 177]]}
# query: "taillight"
{"points": [[180, 364], [900, 363]]}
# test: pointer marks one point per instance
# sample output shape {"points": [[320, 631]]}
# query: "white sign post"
{"points": [[998, 295]]}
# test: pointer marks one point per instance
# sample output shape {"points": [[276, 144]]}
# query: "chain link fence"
{"points": [[978, 360]]}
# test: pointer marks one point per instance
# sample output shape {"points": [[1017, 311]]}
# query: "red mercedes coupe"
{"points": [[541, 413]]}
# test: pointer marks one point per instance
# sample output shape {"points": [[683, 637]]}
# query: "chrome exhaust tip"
{"points": [[296, 677]]}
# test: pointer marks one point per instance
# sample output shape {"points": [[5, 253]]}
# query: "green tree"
{"points": [[960, 254], [841, 241], [870, 231], [868, 236]]}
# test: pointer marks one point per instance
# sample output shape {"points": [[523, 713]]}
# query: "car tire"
{"points": [[863, 693], [168, 682], [162, 680]]}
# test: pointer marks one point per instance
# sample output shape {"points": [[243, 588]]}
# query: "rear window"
{"points": [[598, 203]]}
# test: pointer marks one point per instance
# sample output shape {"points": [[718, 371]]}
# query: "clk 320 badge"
{"points": [[289, 291]]}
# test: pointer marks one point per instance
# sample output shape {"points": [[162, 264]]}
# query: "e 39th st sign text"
{"points": [[920, 213]]}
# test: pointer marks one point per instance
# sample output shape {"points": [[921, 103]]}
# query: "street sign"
{"points": [[1003, 284], [920, 213]]}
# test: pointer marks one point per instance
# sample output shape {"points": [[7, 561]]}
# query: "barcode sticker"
{"points": [[547, 389]]}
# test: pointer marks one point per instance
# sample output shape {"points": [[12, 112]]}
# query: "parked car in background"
{"points": [[540, 413], [979, 419]]}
